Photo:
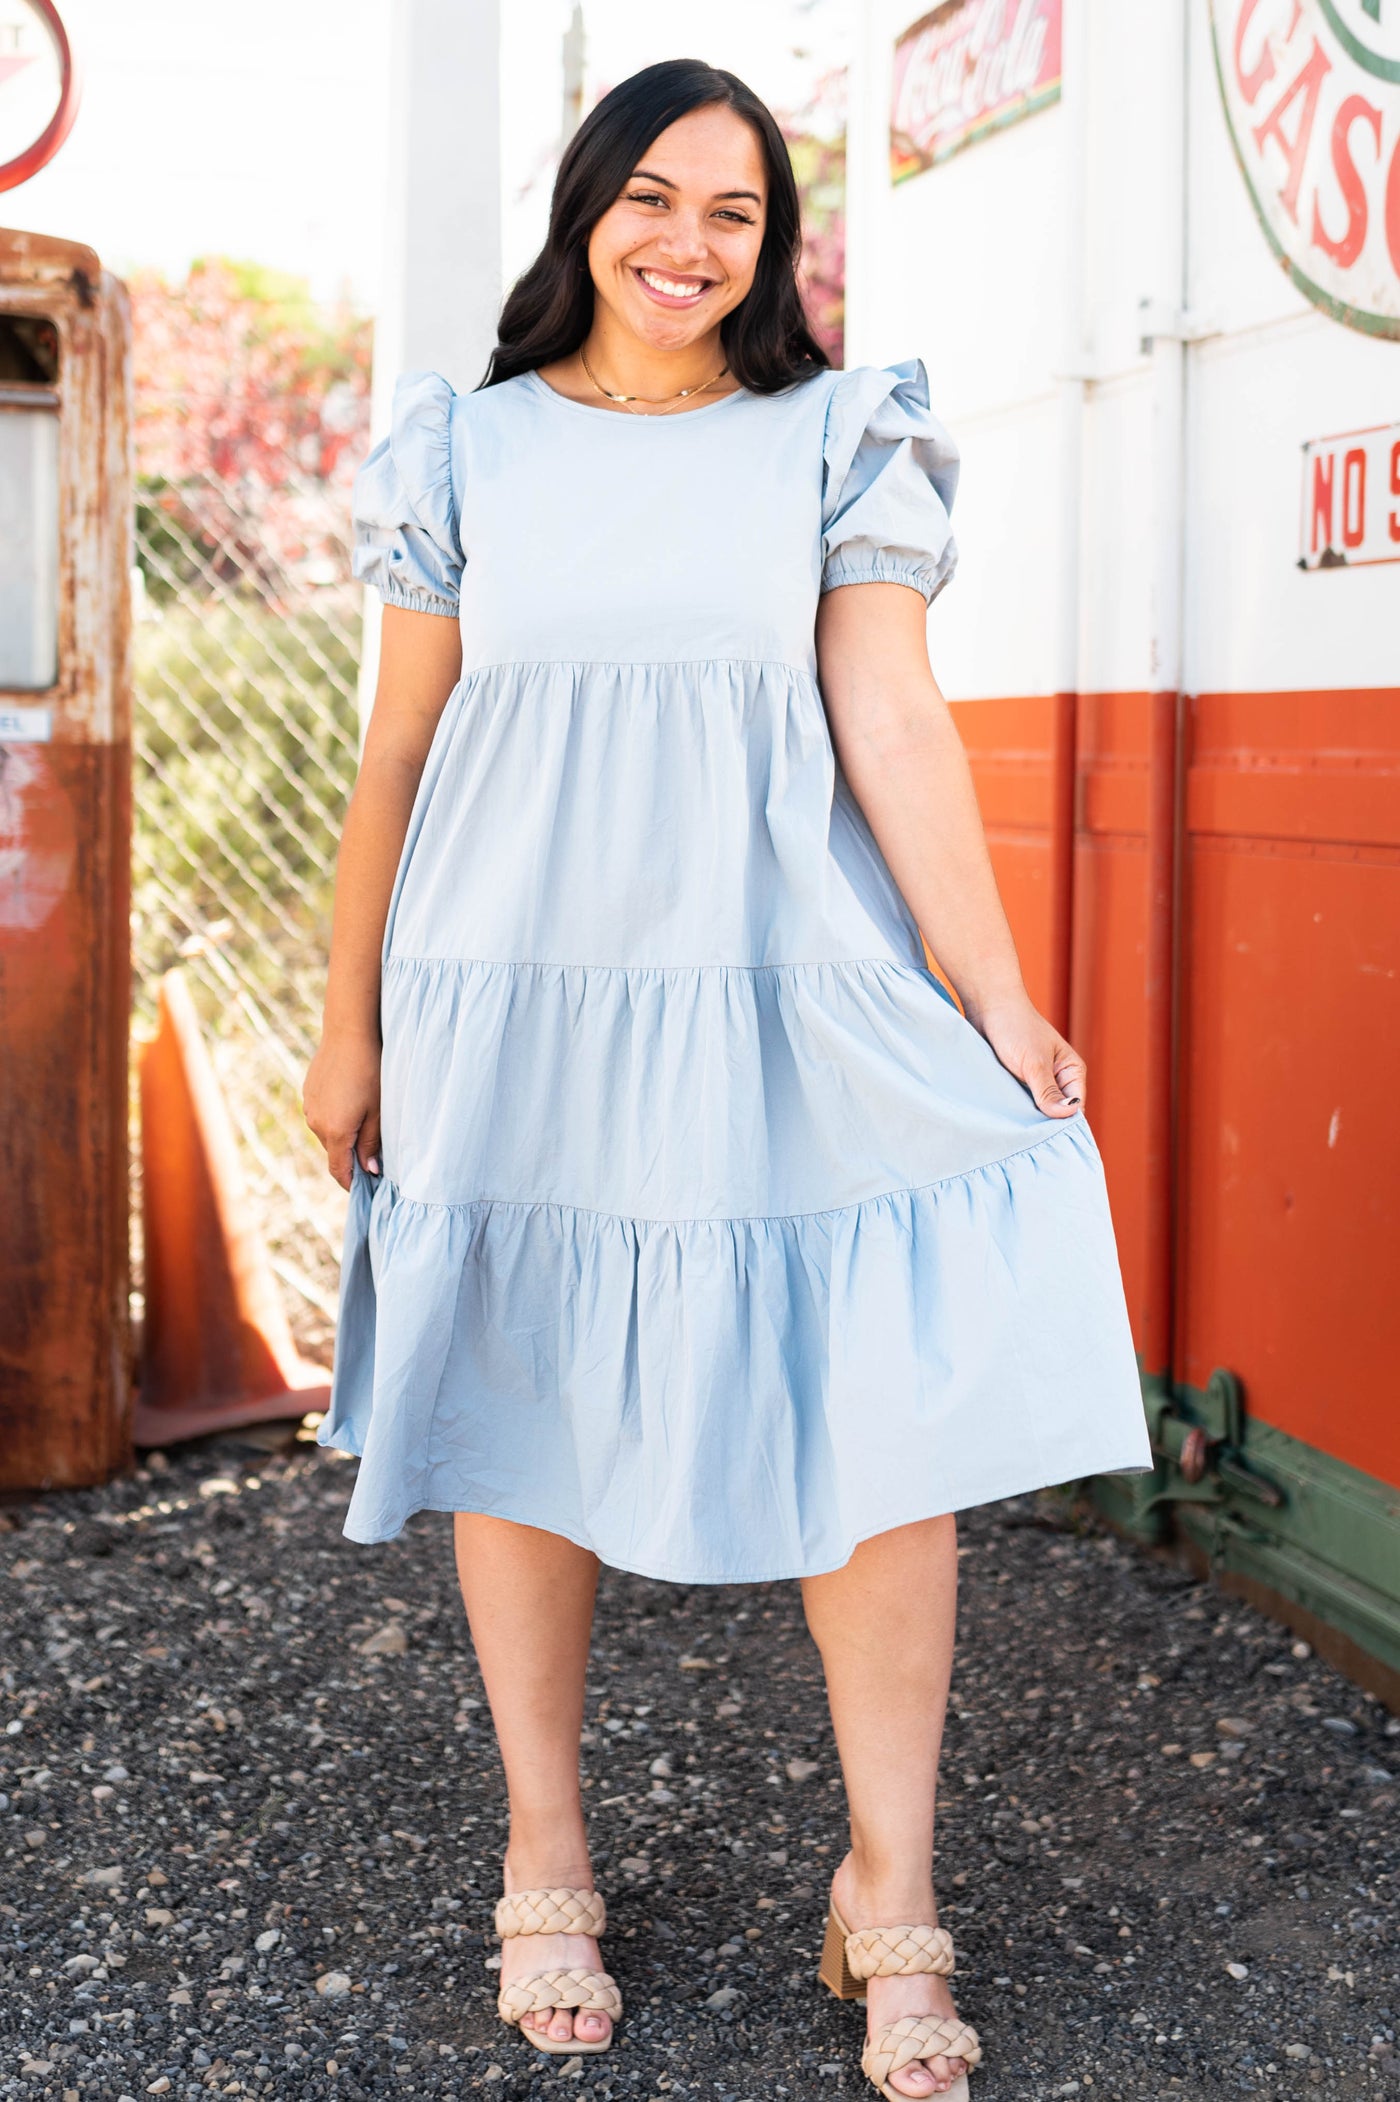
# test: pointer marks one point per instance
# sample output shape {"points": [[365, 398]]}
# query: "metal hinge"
{"points": [[1201, 1439], [1159, 317]]}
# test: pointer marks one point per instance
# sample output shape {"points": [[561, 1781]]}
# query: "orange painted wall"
{"points": [[1288, 1144]]}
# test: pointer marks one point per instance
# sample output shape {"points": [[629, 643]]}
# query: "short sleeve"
{"points": [[404, 510], [890, 471]]}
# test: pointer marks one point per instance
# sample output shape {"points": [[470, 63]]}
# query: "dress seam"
{"points": [[635, 663], [588, 1211], [510, 963]]}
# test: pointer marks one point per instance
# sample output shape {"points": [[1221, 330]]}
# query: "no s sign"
{"points": [[1351, 499], [1312, 95]]}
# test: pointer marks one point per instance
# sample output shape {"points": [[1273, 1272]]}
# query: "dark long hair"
{"points": [[549, 310]]}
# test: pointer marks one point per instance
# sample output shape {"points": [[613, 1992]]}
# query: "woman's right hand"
{"points": [[340, 1100]]}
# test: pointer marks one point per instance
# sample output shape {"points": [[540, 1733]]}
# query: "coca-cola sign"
{"points": [[1312, 95], [965, 69]]}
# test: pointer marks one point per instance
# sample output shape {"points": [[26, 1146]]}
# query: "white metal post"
{"points": [[441, 282]]}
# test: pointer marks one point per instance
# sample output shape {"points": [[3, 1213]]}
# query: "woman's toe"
{"points": [[561, 2025], [913, 2079], [591, 2028]]}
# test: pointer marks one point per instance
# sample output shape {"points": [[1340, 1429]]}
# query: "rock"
{"points": [[156, 1878], [1238, 1970], [1202, 1760], [116, 1773], [35, 1836], [389, 1641], [104, 1878], [494, 2072], [268, 1939], [634, 1864], [218, 1485], [1296, 2051], [801, 1769], [725, 1997], [1233, 1726], [1339, 1725], [333, 1984]]}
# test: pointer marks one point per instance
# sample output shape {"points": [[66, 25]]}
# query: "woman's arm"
{"points": [[901, 753], [420, 663]]}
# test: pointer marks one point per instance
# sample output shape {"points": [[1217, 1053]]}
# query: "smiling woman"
{"points": [[712, 1239]]}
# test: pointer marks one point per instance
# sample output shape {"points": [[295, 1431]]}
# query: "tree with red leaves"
{"points": [[252, 408]]}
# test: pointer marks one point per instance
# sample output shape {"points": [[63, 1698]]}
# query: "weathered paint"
{"points": [[966, 69], [65, 858]]}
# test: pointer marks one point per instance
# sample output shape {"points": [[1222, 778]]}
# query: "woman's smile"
{"points": [[671, 288]]}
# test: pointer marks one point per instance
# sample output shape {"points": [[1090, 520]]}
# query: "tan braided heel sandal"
{"points": [[897, 1952], [591, 1992]]}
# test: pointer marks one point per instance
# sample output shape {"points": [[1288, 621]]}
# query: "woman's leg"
{"points": [[884, 1626], [529, 1600]]}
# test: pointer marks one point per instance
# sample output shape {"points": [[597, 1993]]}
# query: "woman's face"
{"points": [[680, 246]]}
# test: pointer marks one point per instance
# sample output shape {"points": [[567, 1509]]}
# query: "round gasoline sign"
{"points": [[1312, 96]]}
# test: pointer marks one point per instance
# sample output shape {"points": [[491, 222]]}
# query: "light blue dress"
{"points": [[710, 1234]]}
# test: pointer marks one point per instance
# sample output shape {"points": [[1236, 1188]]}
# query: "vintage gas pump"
{"points": [[65, 821]]}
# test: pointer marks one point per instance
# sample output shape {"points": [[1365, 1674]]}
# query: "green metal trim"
{"points": [[1383, 68], [1368, 324], [1312, 1529]]}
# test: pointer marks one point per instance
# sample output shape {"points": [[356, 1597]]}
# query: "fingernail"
{"points": [[373, 1164]]}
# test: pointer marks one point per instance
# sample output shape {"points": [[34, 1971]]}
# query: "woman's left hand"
{"points": [[1033, 1049]]}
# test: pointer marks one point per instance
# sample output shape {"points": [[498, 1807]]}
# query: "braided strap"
{"points": [[896, 1952], [592, 1991], [896, 2045], [551, 1912]]}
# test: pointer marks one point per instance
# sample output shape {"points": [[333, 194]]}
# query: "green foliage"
{"points": [[247, 752]]}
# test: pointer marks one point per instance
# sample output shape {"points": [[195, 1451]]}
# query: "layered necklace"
{"points": [[663, 407]]}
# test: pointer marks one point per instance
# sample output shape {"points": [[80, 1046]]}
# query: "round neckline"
{"points": [[588, 408]]}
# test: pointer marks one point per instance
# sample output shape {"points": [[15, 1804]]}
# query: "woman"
{"points": [[711, 1240]]}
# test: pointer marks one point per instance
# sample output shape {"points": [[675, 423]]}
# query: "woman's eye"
{"points": [[645, 197]]}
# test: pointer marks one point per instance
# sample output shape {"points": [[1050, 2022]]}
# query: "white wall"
{"points": [[973, 266]]}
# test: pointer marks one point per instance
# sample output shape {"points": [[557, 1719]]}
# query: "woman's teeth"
{"points": [[670, 287]]}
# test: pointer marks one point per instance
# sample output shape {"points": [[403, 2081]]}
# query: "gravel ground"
{"points": [[251, 1819]]}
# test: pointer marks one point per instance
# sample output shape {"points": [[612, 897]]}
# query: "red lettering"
{"points": [[1354, 487], [1345, 251], [1323, 465], [1395, 488], [1295, 150], [1392, 209], [1250, 83]]}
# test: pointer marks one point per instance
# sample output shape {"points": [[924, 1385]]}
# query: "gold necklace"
{"points": [[684, 394]]}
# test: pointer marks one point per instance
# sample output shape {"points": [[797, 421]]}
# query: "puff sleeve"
{"points": [[890, 471], [403, 505]]}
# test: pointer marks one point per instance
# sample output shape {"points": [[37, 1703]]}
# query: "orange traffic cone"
{"points": [[216, 1347]]}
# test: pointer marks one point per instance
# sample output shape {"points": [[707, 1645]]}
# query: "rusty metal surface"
{"points": [[65, 990]]}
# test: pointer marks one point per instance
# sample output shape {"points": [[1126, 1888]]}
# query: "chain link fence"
{"points": [[245, 752]]}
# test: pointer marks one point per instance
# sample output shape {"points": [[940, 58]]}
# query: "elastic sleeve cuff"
{"points": [[928, 584], [395, 594]]}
